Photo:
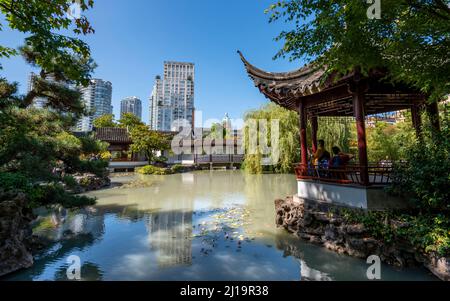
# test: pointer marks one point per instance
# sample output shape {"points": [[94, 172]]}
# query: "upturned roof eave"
{"points": [[300, 75]]}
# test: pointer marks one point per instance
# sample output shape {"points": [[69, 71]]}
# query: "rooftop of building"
{"points": [[113, 135], [178, 63]]}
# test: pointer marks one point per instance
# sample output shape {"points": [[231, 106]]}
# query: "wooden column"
{"points": [[303, 141], [433, 114], [416, 115], [314, 128], [359, 113]]}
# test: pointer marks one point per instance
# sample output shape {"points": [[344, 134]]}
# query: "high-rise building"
{"points": [[97, 101], [172, 99], [131, 105]]}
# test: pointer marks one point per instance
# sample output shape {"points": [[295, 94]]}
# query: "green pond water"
{"points": [[206, 225]]}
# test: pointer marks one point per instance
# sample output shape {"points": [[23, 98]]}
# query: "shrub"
{"points": [[42, 194], [425, 178], [14, 181], [153, 170], [177, 168], [428, 232], [161, 159]]}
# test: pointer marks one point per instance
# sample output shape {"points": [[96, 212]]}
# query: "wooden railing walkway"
{"points": [[218, 159], [378, 175]]}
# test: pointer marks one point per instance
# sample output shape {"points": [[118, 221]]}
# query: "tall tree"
{"points": [[105, 121], [130, 121], [411, 38], [63, 57], [45, 45], [36, 142], [288, 144], [148, 142]]}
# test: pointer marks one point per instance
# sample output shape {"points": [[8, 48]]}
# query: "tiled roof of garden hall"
{"points": [[113, 135]]}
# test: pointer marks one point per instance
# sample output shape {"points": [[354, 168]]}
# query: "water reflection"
{"points": [[197, 226], [170, 235]]}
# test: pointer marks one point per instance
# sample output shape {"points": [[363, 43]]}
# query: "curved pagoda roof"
{"points": [[285, 87], [328, 94]]}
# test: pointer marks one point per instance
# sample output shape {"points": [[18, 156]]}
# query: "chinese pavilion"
{"points": [[313, 93]]}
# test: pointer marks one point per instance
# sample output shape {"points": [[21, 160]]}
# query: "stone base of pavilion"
{"points": [[325, 224], [351, 195]]}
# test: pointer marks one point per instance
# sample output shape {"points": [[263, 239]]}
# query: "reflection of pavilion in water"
{"points": [[170, 234]]}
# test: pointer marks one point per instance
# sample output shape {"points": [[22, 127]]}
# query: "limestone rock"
{"points": [[321, 223], [15, 232]]}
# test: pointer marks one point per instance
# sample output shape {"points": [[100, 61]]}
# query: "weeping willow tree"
{"points": [[288, 142], [338, 131]]}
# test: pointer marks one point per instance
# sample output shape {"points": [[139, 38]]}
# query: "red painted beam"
{"points": [[314, 129], [358, 103], [303, 141]]}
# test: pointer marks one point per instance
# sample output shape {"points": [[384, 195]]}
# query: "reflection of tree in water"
{"points": [[89, 272], [130, 212], [170, 234], [56, 225], [66, 233]]}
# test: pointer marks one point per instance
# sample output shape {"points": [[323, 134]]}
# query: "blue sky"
{"points": [[133, 39]]}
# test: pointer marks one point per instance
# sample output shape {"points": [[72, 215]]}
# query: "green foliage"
{"points": [[337, 131], [288, 139], [428, 232], [49, 194], [177, 168], [161, 159], [35, 144], [218, 131], [252, 164], [105, 121], [41, 194], [153, 170], [148, 141], [391, 142], [130, 121], [66, 56], [11, 181], [425, 178], [92, 146], [411, 38]]}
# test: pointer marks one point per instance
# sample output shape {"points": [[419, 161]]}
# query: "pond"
{"points": [[205, 225]]}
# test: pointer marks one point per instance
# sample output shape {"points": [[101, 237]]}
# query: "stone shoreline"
{"points": [[16, 236], [321, 223]]}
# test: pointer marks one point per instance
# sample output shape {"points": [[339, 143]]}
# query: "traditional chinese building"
{"points": [[313, 93]]}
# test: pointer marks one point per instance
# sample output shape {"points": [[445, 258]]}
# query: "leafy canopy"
{"points": [[46, 45], [130, 121], [148, 142], [36, 143], [105, 121], [288, 143], [411, 38]]}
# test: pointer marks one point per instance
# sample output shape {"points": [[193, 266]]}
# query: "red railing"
{"points": [[377, 175]]}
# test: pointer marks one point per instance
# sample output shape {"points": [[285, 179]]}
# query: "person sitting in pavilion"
{"points": [[321, 155], [340, 159], [339, 162]]}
